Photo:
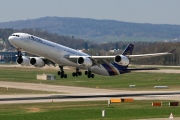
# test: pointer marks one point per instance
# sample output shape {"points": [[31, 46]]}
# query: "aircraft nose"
{"points": [[10, 38]]}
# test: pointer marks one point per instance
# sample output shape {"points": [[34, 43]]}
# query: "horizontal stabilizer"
{"points": [[136, 69]]}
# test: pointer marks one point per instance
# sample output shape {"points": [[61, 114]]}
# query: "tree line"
{"points": [[103, 49]]}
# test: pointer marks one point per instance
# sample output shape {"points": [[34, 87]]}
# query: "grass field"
{"points": [[143, 81], [86, 111]]}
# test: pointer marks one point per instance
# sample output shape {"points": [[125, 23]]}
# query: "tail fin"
{"points": [[128, 50], [172, 51]]}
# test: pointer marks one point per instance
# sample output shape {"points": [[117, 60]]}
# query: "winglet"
{"points": [[172, 51], [128, 50]]}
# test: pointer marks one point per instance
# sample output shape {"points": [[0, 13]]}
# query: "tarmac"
{"points": [[71, 93]]}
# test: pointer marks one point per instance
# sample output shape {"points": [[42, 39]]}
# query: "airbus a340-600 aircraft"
{"points": [[53, 53]]}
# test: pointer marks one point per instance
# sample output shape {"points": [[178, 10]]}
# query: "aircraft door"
{"points": [[58, 48], [22, 38], [26, 39]]}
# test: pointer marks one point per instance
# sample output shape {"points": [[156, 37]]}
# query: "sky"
{"points": [[137, 11]]}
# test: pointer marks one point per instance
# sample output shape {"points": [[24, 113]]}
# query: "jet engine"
{"points": [[121, 60], [38, 62], [84, 61], [23, 61]]}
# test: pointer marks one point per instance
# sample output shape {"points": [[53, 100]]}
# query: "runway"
{"points": [[70, 93]]}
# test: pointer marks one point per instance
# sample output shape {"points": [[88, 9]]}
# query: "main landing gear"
{"points": [[61, 72], [89, 74], [77, 73]]}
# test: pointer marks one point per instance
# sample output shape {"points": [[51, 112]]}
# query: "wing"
{"points": [[147, 55], [109, 59], [150, 55], [97, 60], [135, 69], [48, 62]]}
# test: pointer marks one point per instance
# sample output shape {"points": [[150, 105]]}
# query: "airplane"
{"points": [[52, 53]]}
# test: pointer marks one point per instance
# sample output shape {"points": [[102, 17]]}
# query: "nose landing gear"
{"points": [[19, 54]]}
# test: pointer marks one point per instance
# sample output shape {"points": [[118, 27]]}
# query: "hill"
{"points": [[99, 30]]}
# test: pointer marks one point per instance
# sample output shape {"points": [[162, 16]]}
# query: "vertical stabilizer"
{"points": [[128, 50]]}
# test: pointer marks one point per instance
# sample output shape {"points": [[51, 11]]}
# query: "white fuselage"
{"points": [[52, 51]]}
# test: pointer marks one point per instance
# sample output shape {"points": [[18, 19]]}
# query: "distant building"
{"points": [[9, 56], [114, 51]]}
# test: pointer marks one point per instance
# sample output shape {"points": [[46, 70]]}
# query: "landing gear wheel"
{"points": [[77, 73], [62, 76], [89, 74], [74, 74], [86, 73], [92, 75], [61, 73], [65, 75]]}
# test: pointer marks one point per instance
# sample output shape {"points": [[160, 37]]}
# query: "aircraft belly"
{"points": [[65, 62], [99, 70], [105, 69]]}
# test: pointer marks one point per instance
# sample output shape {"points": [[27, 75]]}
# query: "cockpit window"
{"points": [[15, 35]]}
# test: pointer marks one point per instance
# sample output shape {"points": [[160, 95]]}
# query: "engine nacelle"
{"points": [[84, 61], [23, 61], [38, 62], [121, 60]]}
